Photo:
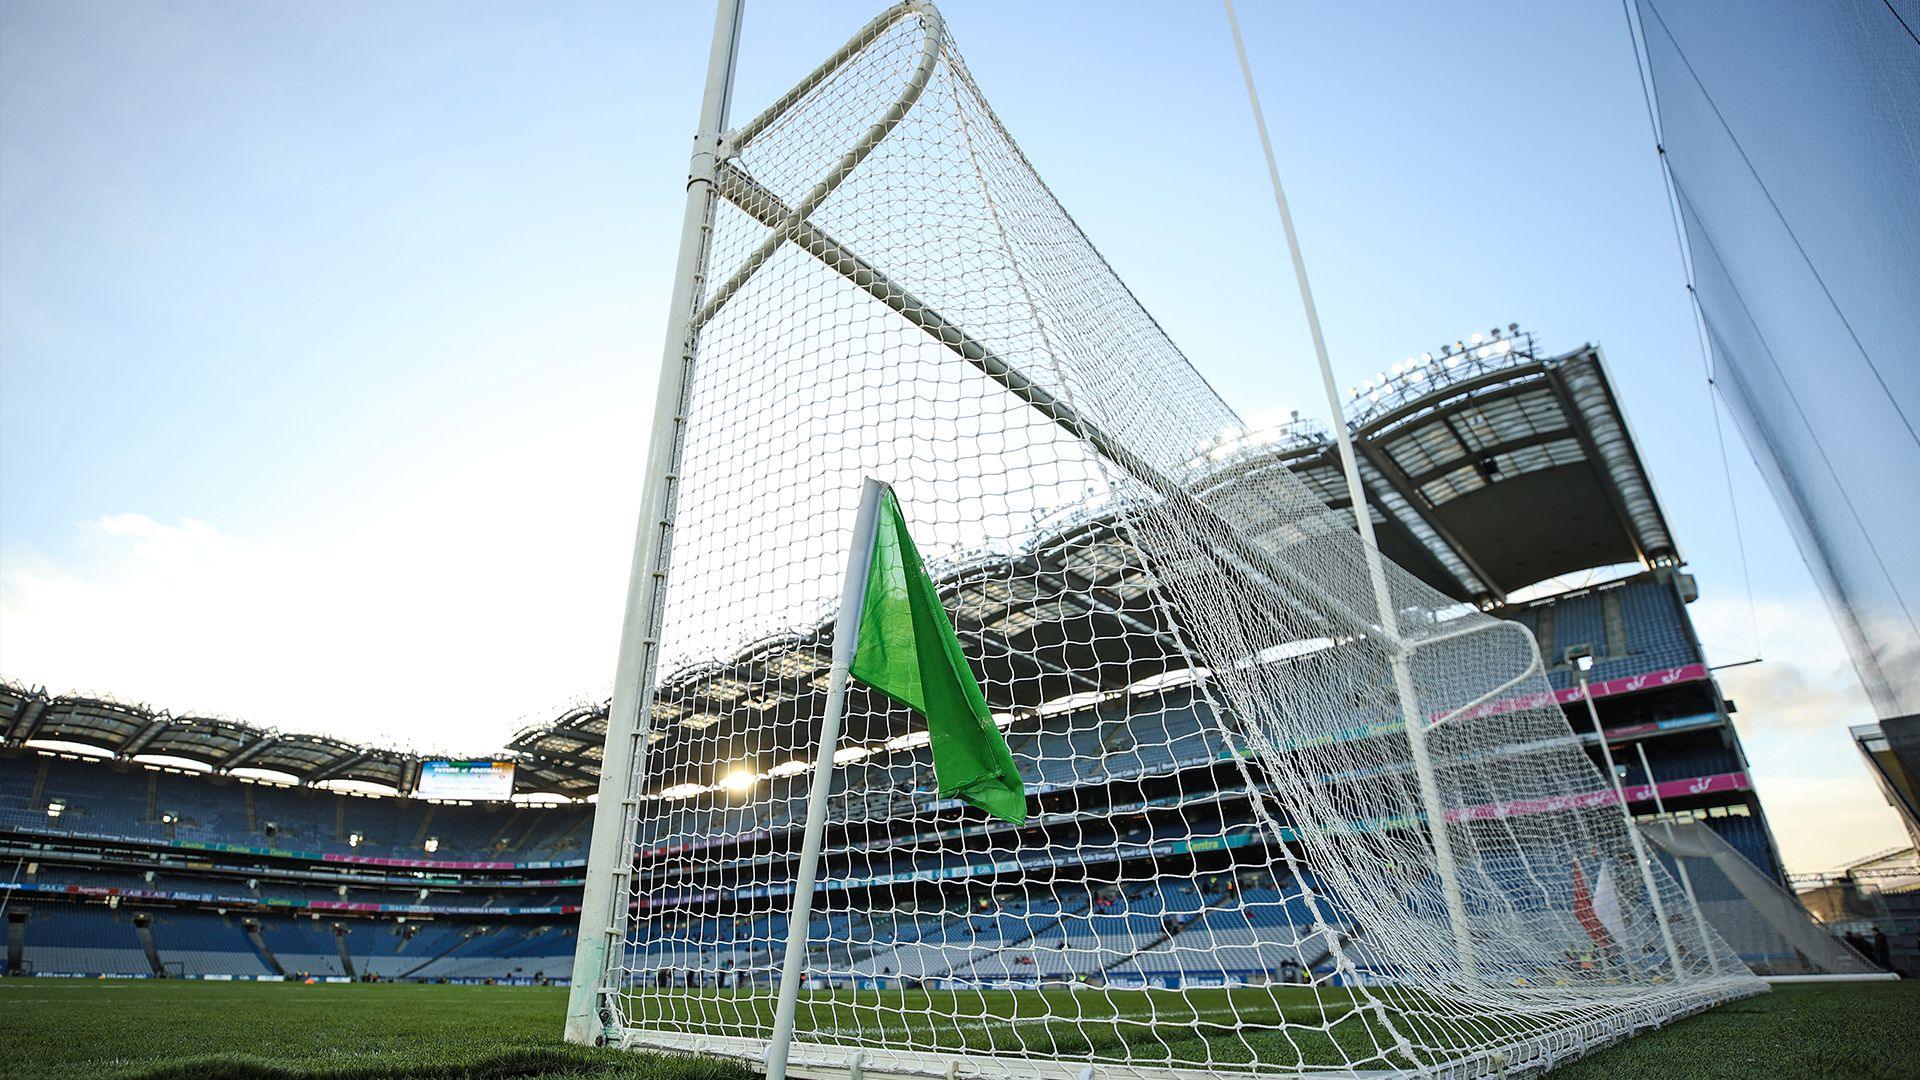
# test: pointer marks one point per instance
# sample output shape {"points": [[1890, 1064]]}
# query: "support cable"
{"points": [[1635, 39]]}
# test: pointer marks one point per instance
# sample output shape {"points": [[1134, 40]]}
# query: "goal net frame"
{"points": [[1529, 1026]]}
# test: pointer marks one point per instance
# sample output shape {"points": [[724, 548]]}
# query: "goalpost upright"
{"points": [[591, 1009]]}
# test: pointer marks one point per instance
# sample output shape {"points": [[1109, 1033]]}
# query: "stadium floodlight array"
{"points": [[1349, 780]]}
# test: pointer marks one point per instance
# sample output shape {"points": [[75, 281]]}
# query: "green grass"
{"points": [[1290, 1024], [214, 1031], [1839, 1030], [113, 1029]]}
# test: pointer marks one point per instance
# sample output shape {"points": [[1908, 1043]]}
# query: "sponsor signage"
{"points": [[1630, 684], [1669, 789], [250, 902]]}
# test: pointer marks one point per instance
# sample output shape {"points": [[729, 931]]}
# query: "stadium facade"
{"points": [[135, 842]]}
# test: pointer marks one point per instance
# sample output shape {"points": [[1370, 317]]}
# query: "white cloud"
{"points": [[1795, 708], [493, 599], [1804, 681]]}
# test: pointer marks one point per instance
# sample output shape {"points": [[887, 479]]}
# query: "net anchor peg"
{"points": [[856, 1065]]}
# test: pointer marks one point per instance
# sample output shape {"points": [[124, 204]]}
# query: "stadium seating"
{"points": [[279, 905], [83, 939], [132, 802], [1631, 628]]}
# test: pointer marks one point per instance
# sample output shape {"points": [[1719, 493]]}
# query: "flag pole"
{"points": [[1680, 864], [1640, 856], [846, 633]]}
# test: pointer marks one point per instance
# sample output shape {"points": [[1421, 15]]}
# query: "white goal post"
{"points": [[1289, 809]]}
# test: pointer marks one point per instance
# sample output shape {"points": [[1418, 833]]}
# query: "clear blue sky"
{"points": [[328, 332]]}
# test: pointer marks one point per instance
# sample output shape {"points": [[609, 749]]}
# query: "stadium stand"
{"points": [[137, 842]]}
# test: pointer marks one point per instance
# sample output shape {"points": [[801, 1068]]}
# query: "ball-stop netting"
{"points": [[1238, 859]]}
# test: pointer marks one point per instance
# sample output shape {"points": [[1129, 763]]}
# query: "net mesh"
{"points": [[1230, 865], [1791, 132]]}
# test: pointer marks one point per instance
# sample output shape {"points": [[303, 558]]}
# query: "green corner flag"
{"points": [[907, 650]]}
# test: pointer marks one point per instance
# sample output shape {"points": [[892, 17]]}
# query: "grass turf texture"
{"points": [[120, 1029], [1285, 1025]]}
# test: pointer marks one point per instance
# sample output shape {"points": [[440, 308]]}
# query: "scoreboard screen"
{"points": [[477, 780]]}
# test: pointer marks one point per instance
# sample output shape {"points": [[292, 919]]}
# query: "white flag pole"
{"points": [[846, 634], [1680, 864], [1640, 856]]}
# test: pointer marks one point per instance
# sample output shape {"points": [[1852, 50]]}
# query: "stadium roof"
{"points": [[1488, 468], [136, 732], [1892, 752]]}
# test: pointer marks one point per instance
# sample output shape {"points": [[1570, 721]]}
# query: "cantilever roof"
{"points": [[1491, 468], [130, 731]]}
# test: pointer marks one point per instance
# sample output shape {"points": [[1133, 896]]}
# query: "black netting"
{"points": [[1792, 132]]}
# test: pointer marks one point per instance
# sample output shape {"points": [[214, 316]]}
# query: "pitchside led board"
{"points": [[475, 780]]}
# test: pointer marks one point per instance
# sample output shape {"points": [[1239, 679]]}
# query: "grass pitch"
{"points": [[113, 1030], [1279, 1024]]}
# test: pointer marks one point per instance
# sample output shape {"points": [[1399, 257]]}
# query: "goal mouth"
{"points": [[1287, 809]]}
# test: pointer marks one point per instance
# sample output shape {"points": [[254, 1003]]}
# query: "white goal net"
{"points": [[1239, 859]]}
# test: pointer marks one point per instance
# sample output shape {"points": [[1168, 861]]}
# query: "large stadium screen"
{"points": [[466, 780]]}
